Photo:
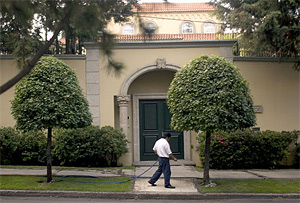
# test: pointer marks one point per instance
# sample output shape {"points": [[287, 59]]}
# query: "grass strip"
{"points": [[38, 183], [67, 167], [253, 186]]}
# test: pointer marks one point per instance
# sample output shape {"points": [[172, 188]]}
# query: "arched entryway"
{"points": [[147, 87]]}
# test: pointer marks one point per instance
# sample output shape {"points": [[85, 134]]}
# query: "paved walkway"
{"points": [[183, 177]]}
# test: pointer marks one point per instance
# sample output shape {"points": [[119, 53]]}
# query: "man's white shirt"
{"points": [[162, 147]]}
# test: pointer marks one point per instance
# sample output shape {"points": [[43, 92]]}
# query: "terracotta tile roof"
{"points": [[174, 7], [170, 37]]}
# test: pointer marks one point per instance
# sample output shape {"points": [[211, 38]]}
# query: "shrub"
{"points": [[22, 148], [9, 143], [247, 149], [33, 148], [89, 146], [297, 157], [113, 143]]}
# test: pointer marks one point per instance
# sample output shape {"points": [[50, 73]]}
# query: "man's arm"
{"points": [[173, 157]]}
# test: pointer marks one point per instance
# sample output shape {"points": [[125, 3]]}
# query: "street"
{"points": [[82, 200]]}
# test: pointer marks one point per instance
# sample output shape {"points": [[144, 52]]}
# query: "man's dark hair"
{"points": [[167, 135]]}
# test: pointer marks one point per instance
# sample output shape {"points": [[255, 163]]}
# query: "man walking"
{"points": [[163, 150]]}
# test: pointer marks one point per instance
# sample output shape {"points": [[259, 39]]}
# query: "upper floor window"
{"points": [[128, 29], [187, 27], [151, 27], [209, 28]]}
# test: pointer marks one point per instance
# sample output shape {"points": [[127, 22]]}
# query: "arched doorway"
{"points": [[147, 87]]}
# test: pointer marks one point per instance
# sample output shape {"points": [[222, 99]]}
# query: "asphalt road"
{"points": [[81, 200]]}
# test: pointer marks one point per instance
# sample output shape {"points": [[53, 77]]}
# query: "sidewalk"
{"points": [[183, 177]]}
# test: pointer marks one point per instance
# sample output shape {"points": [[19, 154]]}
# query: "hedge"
{"points": [[22, 148], [90, 146], [248, 150], [9, 143]]}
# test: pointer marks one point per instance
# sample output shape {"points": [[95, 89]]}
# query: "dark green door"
{"points": [[154, 120]]}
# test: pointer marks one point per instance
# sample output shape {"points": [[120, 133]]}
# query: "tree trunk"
{"points": [[79, 46], [206, 180], [49, 157], [56, 46], [67, 41], [73, 45]]}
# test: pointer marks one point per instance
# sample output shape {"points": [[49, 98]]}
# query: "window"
{"points": [[187, 27], [128, 29], [209, 28], [151, 27]]}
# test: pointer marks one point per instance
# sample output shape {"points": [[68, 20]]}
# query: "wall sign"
{"points": [[258, 109]]}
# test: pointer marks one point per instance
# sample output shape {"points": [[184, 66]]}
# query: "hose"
{"points": [[87, 176]]}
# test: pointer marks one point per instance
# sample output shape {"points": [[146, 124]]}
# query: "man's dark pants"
{"points": [[164, 167]]}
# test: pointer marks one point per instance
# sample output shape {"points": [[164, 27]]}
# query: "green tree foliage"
{"points": [[23, 20], [18, 148], [209, 94], [32, 149], [245, 149], [50, 97], [9, 143], [265, 25], [90, 146]]}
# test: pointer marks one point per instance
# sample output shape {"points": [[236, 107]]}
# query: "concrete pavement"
{"points": [[183, 177]]}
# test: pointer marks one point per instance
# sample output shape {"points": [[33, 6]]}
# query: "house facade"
{"points": [[135, 99], [170, 18]]}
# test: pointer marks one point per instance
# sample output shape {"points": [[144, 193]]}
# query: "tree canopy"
{"points": [[265, 26], [208, 94], [22, 22], [50, 96]]}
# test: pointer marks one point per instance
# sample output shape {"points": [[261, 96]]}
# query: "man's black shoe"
{"points": [[153, 184], [170, 187]]}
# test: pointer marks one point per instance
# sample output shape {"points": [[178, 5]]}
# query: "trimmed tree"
{"points": [[210, 94], [50, 97]]}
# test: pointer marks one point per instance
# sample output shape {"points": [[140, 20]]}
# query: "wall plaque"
{"points": [[258, 108]]}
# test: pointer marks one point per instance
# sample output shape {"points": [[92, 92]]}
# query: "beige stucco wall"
{"points": [[152, 82], [134, 59], [169, 23], [8, 69], [275, 86]]}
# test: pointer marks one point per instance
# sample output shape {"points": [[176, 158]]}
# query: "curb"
{"points": [[67, 194], [131, 195]]}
